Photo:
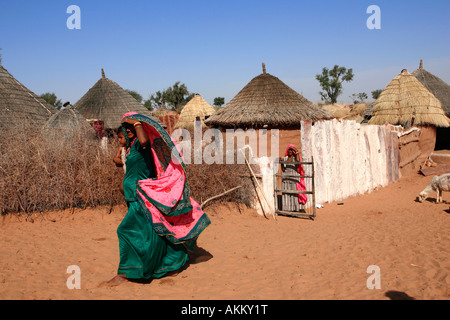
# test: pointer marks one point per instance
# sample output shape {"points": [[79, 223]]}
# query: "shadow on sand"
{"points": [[199, 255], [398, 295]]}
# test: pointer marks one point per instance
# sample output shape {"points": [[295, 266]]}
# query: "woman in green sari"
{"points": [[144, 254]]}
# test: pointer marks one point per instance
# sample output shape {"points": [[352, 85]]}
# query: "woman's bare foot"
{"points": [[117, 280], [172, 273]]}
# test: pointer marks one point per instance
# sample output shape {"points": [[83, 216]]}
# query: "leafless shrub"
{"points": [[47, 170], [55, 170], [209, 180]]}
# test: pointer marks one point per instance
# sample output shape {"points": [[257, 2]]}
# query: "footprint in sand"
{"points": [[440, 276], [170, 282]]}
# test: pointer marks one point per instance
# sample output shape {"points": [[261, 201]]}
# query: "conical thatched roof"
{"points": [[435, 85], [266, 100], [196, 107], [407, 102], [68, 119], [108, 102], [17, 103]]}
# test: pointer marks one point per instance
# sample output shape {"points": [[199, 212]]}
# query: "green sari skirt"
{"points": [[143, 253]]}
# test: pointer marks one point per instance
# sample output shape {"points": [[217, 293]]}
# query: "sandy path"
{"points": [[245, 256]]}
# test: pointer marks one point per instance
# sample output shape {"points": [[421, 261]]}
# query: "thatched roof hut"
{"points": [[357, 112], [68, 119], [440, 90], [435, 85], [17, 103], [266, 101], [196, 107], [108, 102], [337, 110], [406, 102]]}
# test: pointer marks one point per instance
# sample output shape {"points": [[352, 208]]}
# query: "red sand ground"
{"points": [[244, 256]]}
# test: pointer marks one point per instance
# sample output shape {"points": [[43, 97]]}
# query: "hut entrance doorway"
{"points": [[283, 194]]}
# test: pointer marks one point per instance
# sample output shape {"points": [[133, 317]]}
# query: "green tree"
{"points": [[359, 97], [178, 95], [156, 101], [376, 93], [173, 98], [148, 104], [219, 101], [52, 99], [331, 82], [135, 95]]}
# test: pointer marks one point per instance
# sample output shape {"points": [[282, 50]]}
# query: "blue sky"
{"points": [[216, 47]]}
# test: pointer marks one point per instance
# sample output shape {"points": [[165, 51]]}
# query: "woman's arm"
{"points": [[140, 132], [297, 156], [118, 158]]}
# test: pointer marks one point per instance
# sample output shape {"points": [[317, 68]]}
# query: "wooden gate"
{"points": [[308, 210]]}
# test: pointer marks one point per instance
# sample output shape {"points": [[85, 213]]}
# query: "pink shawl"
{"points": [[301, 186]]}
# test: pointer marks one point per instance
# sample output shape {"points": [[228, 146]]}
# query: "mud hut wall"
{"points": [[267, 137], [409, 151], [349, 159], [170, 120], [427, 142], [264, 140], [415, 146]]}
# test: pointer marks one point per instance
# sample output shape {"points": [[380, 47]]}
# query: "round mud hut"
{"points": [[107, 102], [440, 90], [267, 103], [20, 105], [196, 108]]}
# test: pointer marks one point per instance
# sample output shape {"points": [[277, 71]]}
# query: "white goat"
{"points": [[439, 184]]}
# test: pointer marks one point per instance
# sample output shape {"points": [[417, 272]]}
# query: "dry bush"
{"points": [[209, 180], [54, 170], [47, 170]]}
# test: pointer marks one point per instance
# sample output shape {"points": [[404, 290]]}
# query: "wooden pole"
{"points": [[259, 186], [219, 195]]}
